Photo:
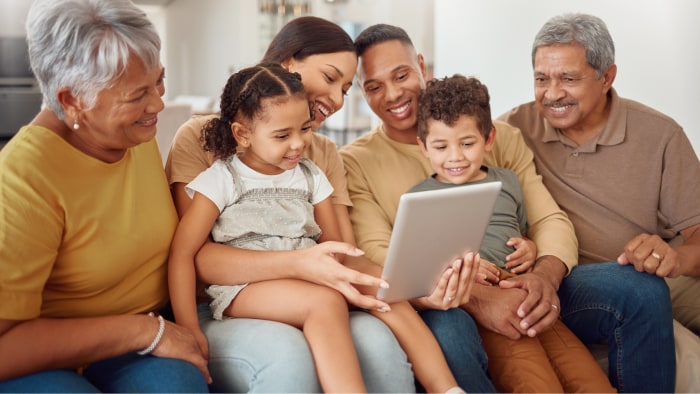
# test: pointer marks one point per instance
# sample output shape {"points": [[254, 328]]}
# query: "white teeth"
{"points": [[149, 122], [400, 109], [559, 109], [323, 109]]}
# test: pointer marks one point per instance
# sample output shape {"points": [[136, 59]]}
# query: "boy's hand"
{"points": [[488, 274], [523, 259]]}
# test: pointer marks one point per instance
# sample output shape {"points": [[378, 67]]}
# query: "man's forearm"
{"points": [[552, 269]]}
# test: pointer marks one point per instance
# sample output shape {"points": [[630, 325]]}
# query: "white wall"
{"points": [[209, 39], [657, 52], [13, 15]]}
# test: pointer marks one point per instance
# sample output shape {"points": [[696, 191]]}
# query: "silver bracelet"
{"points": [[156, 340]]}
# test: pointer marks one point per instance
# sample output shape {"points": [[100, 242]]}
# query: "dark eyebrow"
{"points": [[336, 69], [393, 71]]}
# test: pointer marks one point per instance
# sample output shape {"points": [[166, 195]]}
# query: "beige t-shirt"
{"points": [[187, 158]]}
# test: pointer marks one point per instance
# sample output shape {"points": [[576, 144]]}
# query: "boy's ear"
{"points": [[490, 140], [241, 134], [423, 148]]}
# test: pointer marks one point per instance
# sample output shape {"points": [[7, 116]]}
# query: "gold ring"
{"points": [[655, 255], [556, 308]]}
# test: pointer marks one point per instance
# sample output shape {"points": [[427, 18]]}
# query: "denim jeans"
{"points": [[129, 373], [250, 355], [458, 336], [632, 312]]}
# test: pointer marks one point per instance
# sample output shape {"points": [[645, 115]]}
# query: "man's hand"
{"points": [[532, 309], [651, 254], [496, 309]]}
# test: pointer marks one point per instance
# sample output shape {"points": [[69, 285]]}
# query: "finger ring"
{"points": [[556, 308], [450, 298], [655, 255]]}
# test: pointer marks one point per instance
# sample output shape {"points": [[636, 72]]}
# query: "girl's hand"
{"points": [[523, 259], [324, 269], [488, 274], [454, 286]]}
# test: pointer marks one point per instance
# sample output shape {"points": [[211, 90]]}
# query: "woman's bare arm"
{"points": [[41, 344]]}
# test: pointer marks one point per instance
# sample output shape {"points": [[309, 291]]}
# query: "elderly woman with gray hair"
{"points": [[86, 216]]}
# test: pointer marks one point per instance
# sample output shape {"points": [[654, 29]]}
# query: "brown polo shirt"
{"points": [[639, 175]]}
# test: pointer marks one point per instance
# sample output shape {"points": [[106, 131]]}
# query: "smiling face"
{"points": [[456, 152], [275, 141], [567, 91], [327, 78], [125, 114], [392, 75]]}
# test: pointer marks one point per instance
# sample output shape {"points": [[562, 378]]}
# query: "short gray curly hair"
{"points": [[586, 30]]}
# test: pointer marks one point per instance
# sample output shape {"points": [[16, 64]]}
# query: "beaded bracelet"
{"points": [[156, 340]]}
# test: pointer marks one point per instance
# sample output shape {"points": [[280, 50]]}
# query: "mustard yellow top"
{"points": [[78, 236]]}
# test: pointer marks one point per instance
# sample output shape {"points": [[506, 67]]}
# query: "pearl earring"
{"points": [[76, 125]]}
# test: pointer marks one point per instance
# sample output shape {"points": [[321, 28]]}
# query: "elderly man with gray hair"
{"points": [[626, 175]]}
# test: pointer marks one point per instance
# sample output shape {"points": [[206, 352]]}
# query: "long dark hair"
{"points": [[242, 99], [306, 36]]}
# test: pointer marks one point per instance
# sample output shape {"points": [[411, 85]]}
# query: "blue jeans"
{"points": [[458, 336], [129, 373], [250, 355], [632, 312]]}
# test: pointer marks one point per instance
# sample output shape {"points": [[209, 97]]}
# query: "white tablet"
{"points": [[432, 229]]}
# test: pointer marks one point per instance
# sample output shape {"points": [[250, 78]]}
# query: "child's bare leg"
{"points": [[321, 313], [416, 339], [421, 347]]}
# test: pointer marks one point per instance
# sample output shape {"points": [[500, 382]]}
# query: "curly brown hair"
{"points": [[242, 99], [446, 99]]}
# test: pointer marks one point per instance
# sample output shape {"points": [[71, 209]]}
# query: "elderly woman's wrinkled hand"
{"points": [[180, 343]]}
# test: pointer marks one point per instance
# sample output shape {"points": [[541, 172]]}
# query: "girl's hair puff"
{"points": [[242, 100]]}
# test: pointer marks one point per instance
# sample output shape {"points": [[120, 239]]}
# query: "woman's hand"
{"points": [[324, 269], [454, 286], [180, 343], [523, 259]]}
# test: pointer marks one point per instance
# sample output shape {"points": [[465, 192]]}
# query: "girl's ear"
{"points": [[241, 134]]}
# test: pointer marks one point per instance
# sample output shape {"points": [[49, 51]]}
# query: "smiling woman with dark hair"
{"points": [[265, 356]]}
